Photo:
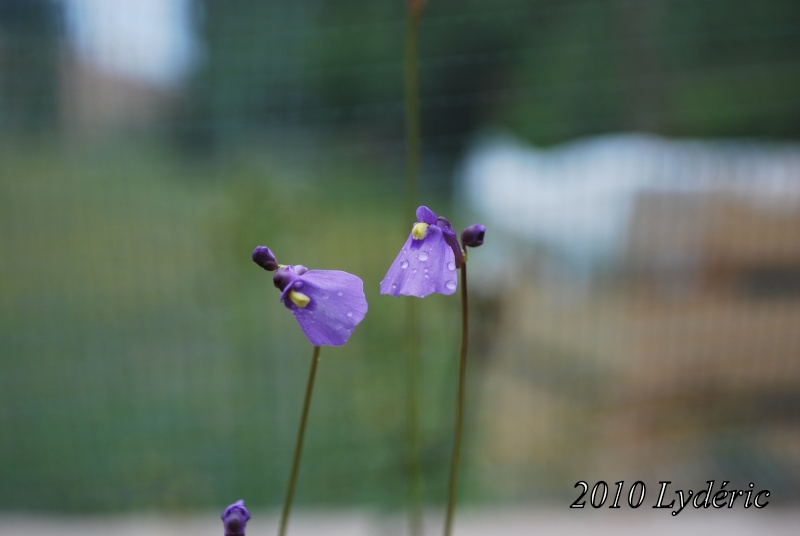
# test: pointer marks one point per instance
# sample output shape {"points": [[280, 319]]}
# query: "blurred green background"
{"points": [[146, 362]]}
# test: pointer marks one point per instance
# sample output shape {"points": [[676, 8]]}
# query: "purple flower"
{"points": [[234, 518], [428, 261], [328, 304]]}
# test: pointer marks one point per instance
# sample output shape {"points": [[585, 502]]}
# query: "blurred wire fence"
{"points": [[635, 307]]}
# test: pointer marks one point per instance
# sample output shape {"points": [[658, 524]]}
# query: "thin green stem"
{"points": [[412, 113], [412, 417], [459, 428], [413, 150], [298, 449]]}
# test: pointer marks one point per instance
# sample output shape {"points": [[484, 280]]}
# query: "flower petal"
{"points": [[337, 304], [422, 267], [426, 215], [451, 239]]}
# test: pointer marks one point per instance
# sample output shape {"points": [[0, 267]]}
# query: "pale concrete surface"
{"points": [[468, 523]]}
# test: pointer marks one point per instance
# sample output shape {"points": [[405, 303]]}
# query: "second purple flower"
{"points": [[428, 261]]}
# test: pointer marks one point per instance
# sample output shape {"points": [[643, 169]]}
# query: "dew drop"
{"points": [[350, 314], [451, 285], [423, 256], [404, 265], [394, 286], [451, 266], [426, 276], [340, 293], [414, 271]]}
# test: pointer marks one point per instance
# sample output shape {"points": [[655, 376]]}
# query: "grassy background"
{"points": [[147, 362]]}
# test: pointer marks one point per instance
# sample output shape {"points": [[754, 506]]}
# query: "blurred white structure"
{"points": [[150, 41], [125, 64], [572, 205]]}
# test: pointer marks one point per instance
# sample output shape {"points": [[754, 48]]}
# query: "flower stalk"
{"points": [[298, 449], [414, 467], [459, 426]]}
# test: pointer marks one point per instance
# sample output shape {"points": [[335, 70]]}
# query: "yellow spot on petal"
{"points": [[419, 231], [299, 299]]}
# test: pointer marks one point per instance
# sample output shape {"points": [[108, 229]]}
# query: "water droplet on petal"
{"points": [[451, 266], [414, 271], [394, 286], [426, 276], [404, 265], [340, 293], [451, 285], [350, 314], [423, 256]]}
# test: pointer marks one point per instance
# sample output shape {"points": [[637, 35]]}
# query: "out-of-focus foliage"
{"points": [[549, 70], [146, 361], [28, 65], [322, 72]]}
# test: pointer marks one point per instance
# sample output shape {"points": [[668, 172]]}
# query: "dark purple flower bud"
{"points": [[472, 236], [234, 518], [263, 257]]}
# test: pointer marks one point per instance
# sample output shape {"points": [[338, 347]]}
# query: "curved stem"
{"points": [[459, 428], [298, 449]]}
